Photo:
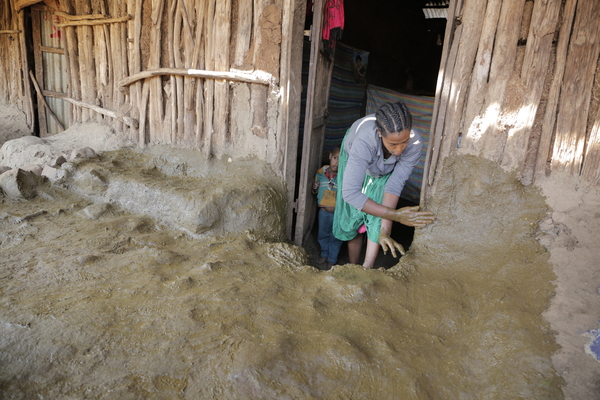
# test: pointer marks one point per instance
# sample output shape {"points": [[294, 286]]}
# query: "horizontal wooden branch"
{"points": [[109, 113], [78, 17], [10, 32], [104, 21], [19, 4], [259, 77]]}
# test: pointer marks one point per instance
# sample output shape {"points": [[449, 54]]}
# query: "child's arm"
{"points": [[315, 187]]}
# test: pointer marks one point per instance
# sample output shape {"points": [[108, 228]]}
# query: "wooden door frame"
{"points": [[36, 11], [320, 70], [442, 94]]}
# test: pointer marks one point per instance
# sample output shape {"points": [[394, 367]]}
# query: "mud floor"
{"points": [[110, 304]]}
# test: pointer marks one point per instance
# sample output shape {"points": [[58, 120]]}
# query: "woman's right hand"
{"points": [[409, 216], [387, 243]]}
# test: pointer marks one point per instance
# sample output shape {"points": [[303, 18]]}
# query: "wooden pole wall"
{"points": [[572, 118], [15, 86], [516, 85]]}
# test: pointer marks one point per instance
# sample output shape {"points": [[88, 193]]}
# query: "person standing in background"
{"points": [[325, 187]]}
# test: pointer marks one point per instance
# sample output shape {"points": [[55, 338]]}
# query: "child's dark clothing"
{"points": [[330, 245]]}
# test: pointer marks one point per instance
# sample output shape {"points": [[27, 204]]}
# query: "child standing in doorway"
{"points": [[325, 187]]}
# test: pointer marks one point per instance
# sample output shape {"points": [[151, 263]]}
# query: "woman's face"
{"points": [[396, 142]]}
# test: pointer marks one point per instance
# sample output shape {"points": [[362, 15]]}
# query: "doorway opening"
{"points": [[50, 71], [389, 51]]}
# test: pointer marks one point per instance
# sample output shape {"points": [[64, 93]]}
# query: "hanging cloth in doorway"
{"points": [[333, 24]]}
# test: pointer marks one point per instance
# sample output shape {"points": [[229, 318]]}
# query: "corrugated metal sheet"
{"points": [[436, 9], [55, 70], [435, 13]]}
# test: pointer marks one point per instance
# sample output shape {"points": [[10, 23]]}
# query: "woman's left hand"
{"points": [[409, 216], [386, 242]]}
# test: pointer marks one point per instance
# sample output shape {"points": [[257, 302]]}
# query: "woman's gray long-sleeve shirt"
{"points": [[365, 156]]}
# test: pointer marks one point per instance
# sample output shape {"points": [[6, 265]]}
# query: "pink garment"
{"points": [[333, 18], [362, 229]]}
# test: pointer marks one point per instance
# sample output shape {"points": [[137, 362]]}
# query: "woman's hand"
{"points": [[410, 216], [386, 242]]}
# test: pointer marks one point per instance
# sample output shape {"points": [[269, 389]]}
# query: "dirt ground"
{"points": [[498, 299]]}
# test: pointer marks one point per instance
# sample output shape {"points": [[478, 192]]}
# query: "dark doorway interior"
{"points": [[404, 46], [404, 52]]}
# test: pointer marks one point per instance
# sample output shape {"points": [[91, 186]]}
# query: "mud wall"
{"points": [[518, 84]]}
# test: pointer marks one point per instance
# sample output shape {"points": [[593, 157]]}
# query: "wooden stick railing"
{"points": [[240, 76]]}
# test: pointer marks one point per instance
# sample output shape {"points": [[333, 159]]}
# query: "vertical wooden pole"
{"points": [[244, 31], [173, 95], [143, 139], [27, 89], [116, 67], [571, 123], [444, 86], [36, 21], [191, 48], [87, 72], [124, 44], [179, 63], [481, 72], [101, 57], [209, 85], [135, 62], [198, 59], [493, 135], [549, 124], [533, 75], [157, 133], [221, 42], [72, 56], [591, 162]]}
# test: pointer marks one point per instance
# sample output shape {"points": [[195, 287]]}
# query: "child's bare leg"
{"points": [[371, 254], [355, 248]]}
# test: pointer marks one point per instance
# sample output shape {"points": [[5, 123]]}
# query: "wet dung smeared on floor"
{"points": [[112, 304]]}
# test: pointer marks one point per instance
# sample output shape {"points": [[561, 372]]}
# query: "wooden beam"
{"points": [[171, 109], [79, 17], [19, 4], [440, 101], [43, 100], [534, 70], [155, 105], [36, 25], [89, 22], [481, 73], [192, 45], [221, 40], [494, 133], [243, 32], [177, 43], [193, 103], [543, 159], [209, 86], [52, 50], [439, 118], [142, 139], [576, 92], [591, 163], [135, 60], [238, 76], [109, 113], [10, 32], [27, 86]]}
